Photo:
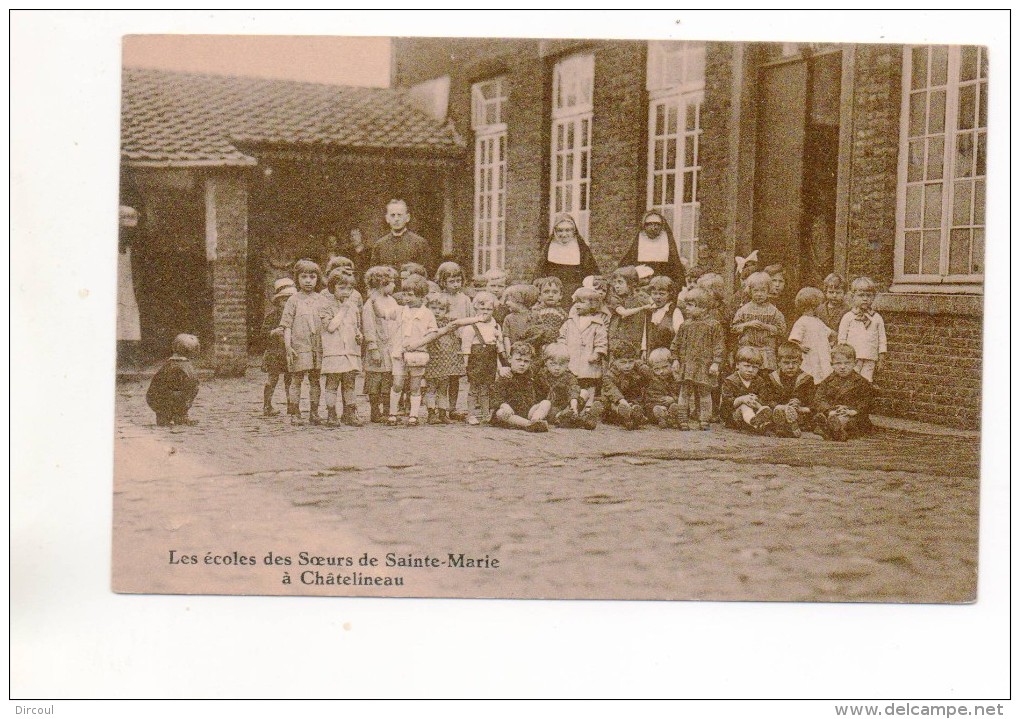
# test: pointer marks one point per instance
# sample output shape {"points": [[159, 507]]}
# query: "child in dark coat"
{"points": [[518, 402], [623, 392], [175, 384], [274, 359], [790, 392], [742, 392], [843, 399]]}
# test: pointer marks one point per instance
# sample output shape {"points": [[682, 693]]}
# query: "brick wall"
{"points": [[933, 368], [619, 135], [873, 162], [716, 184], [229, 274]]}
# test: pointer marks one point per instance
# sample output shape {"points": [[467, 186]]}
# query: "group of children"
{"points": [[631, 350]]}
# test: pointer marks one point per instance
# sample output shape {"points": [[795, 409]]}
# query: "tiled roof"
{"points": [[184, 119]]}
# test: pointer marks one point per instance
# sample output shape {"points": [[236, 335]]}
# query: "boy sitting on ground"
{"points": [[843, 399], [516, 398], [789, 392], [741, 405]]}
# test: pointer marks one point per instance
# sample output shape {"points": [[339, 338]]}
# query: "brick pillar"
{"points": [[226, 206]]}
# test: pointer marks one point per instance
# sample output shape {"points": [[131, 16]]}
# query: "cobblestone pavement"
{"points": [[650, 514]]}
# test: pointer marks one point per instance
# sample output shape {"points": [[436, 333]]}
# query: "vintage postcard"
{"points": [[550, 318]]}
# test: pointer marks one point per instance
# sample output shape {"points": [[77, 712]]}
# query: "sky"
{"points": [[333, 60]]}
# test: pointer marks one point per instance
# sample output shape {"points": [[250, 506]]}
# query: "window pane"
{"points": [[959, 252], [585, 133], [912, 216], [660, 119], [559, 199], [965, 120], [936, 158], [670, 188], [983, 106], [584, 165], [687, 223], [915, 161], [661, 184], [559, 169], [930, 249], [689, 151], [559, 138], [968, 63], [937, 111], [964, 154], [917, 114], [939, 64], [919, 67], [691, 116], [491, 118], [570, 136], [961, 202], [981, 153], [984, 62], [933, 205], [584, 196], [688, 187], [568, 170], [979, 202], [977, 253], [659, 149], [670, 154], [911, 252], [672, 115]]}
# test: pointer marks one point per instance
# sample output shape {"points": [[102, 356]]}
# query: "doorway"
{"points": [[796, 167]]}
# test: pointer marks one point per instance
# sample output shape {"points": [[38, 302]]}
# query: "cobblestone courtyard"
{"points": [[651, 514]]}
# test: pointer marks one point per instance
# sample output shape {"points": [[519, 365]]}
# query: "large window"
{"points": [[488, 102], [940, 229], [676, 79], [573, 86]]}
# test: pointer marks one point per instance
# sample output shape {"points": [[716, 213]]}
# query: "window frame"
{"points": [[944, 281], [490, 178], [573, 160], [679, 96]]}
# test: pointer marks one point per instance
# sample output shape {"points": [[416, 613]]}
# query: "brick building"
{"points": [[857, 159], [234, 178]]}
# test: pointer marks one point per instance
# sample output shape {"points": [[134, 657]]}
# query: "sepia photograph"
{"points": [[550, 318], [560, 353]]}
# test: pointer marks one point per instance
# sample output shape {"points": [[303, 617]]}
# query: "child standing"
{"points": [[813, 336], [661, 403], [758, 323], [495, 283], [843, 399], [482, 346], [587, 341], [379, 319], [346, 267], [742, 392], [832, 311], [790, 392], [666, 318], [698, 349], [450, 279], [630, 311], [274, 359], [557, 384], [864, 329], [777, 289], [341, 348], [445, 363], [175, 385], [416, 328], [302, 336], [517, 303], [547, 316]]}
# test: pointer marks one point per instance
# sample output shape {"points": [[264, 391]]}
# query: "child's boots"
{"points": [[267, 403], [350, 417], [294, 411], [331, 419], [313, 415]]}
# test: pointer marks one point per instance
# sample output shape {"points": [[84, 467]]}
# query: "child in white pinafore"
{"points": [[341, 348], [812, 335]]}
